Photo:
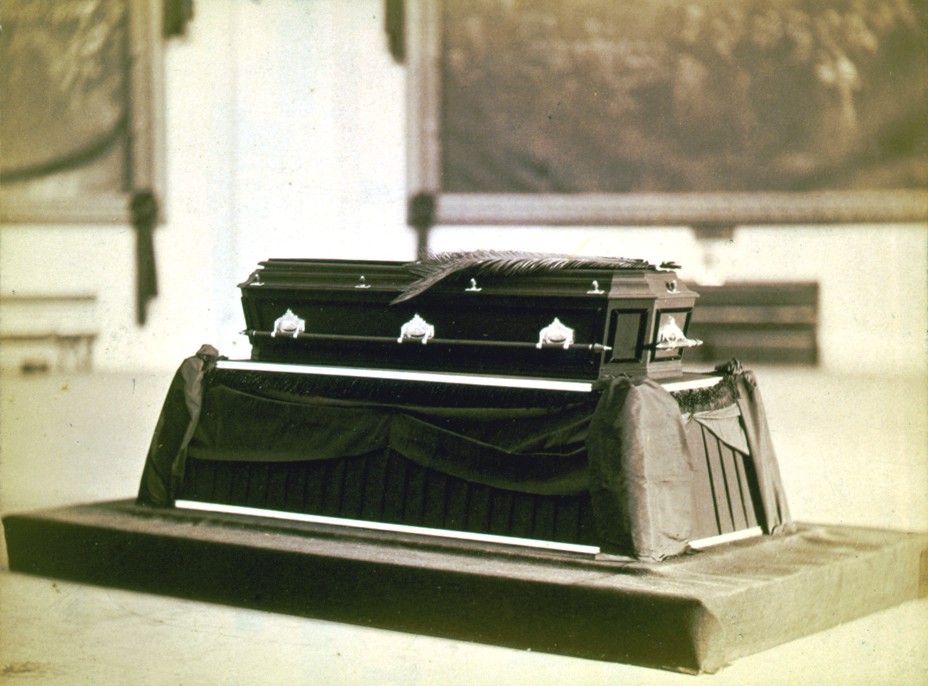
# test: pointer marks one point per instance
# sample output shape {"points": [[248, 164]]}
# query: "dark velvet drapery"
{"points": [[624, 444]]}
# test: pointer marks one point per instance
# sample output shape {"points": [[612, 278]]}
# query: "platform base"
{"points": [[695, 613]]}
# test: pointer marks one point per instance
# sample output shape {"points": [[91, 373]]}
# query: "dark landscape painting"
{"points": [[65, 85], [669, 96]]}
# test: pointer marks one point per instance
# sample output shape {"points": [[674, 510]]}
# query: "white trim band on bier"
{"points": [[383, 526], [462, 379]]}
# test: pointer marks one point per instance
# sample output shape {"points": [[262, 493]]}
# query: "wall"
{"points": [[285, 137]]}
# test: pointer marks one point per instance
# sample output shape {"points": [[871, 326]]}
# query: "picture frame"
{"points": [[83, 118], [666, 113]]}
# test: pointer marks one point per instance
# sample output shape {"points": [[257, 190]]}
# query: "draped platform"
{"points": [[631, 469], [626, 466]]}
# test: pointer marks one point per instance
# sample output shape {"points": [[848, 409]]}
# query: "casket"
{"points": [[499, 313]]}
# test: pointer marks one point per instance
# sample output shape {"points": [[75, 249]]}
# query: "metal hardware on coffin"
{"points": [[555, 335], [595, 289], [416, 330], [288, 324], [474, 288], [670, 337], [362, 282], [478, 343]]}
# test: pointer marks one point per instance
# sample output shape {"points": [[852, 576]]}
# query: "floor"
{"points": [[853, 450]]}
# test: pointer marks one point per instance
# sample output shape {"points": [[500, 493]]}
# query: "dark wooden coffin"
{"points": [[581, 322]]}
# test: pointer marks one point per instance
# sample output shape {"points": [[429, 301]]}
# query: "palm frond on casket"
{"points": [[435, 268]]}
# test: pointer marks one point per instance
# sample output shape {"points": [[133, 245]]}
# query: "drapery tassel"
{"points": [[144, 219]]}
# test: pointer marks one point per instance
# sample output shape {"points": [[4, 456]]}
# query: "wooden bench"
{"points": [[74, 351], [44, 331], [757, 323]]}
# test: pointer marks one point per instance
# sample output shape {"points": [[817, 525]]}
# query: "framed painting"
{"points": [[81, 124], [679, 112]]}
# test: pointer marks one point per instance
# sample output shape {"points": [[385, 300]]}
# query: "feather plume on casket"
{"points": [[434, 268]]}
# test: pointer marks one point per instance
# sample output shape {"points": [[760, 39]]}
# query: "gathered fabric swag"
{"points": [[625, 444]]}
